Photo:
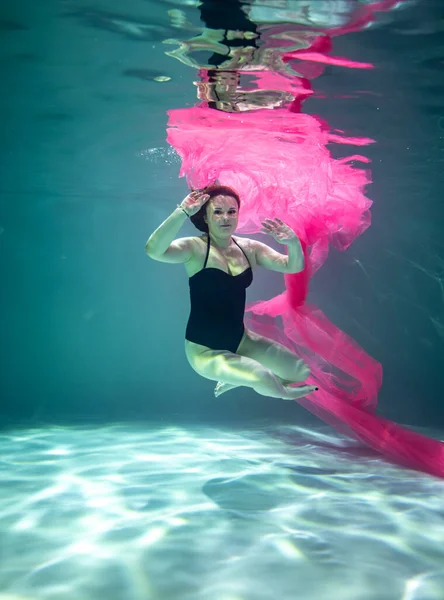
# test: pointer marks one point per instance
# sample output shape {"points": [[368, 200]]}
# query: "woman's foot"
{"points": [[293, 393], [221, 388]]}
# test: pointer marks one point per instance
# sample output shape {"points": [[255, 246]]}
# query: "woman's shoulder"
{"points": [[194, 241], [198, 241], [248, 246], [198, 248], [244, 242]]}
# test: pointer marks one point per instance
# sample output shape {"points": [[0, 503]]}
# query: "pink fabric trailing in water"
{"points": [[327, 60], [280, 164]]}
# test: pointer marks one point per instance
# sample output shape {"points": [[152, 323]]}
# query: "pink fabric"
{"points": [[327, 60], [278, 161]]}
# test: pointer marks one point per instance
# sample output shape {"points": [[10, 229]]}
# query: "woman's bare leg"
{"points": [[287, 367], [221, 387], [237, 370], [276, 357]]}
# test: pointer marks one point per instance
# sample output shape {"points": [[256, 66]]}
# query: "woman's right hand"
{"points": [[194, 202]]}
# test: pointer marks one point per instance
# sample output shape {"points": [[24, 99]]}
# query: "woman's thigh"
{"points": [[222, 365], [274, 356]]}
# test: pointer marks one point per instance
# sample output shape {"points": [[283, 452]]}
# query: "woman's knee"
{"points": [[302, 370], [275, 357], [221, 365]]}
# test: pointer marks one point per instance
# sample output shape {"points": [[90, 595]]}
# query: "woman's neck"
{"points": [[222, 243]]}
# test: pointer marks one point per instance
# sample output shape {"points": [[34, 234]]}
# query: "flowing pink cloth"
{"points": [[280, 164]]}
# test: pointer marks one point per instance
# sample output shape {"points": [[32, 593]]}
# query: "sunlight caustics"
{"points": [[110, 524]]}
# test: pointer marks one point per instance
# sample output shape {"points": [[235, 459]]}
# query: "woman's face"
{"points": [[222, 216]]}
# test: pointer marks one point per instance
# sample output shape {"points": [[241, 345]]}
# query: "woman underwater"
{"points": [[220, 268]]}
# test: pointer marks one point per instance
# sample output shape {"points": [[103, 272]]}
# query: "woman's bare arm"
{"points": [[293, 262], [161, 244], [267, 257]]}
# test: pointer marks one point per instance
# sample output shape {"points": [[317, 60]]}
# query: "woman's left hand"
{"points": [[282, 233]]}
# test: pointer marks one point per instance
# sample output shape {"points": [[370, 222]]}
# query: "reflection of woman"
{"points": [[221, 90], [219, 266]]}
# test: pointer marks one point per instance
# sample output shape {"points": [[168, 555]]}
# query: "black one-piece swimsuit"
{"points": [[217, 306]]}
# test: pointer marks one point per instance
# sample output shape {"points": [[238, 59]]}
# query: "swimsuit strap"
{"points": [[208, 252], [239, 246]]}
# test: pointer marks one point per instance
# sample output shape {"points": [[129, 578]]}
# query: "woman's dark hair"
{"points": [[212, 190]]}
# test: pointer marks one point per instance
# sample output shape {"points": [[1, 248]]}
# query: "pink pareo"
{"points": [[279, 163]]}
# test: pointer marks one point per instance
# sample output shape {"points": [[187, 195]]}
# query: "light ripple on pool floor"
{"points": [[163, 513]]}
